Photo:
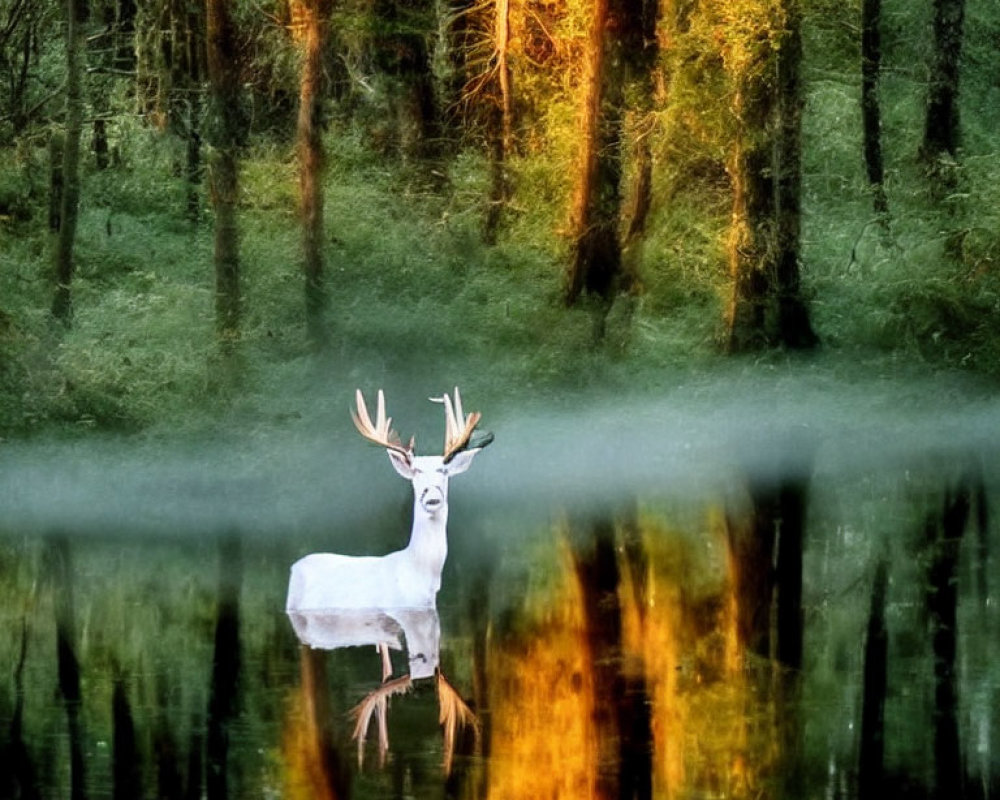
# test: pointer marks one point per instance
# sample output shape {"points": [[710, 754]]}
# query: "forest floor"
{"points": [[419, 304]]}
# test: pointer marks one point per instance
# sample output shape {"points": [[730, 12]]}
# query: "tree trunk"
{"points": [[944, 536], [941, 128], [62, 305], [500, 125], [641, 51], [126, 778], [401, 51], [794, 329], [69, 663], [595, 267], [226, 668], [871, 116], [226, 136], [622, 721], [872, 748], [766, 306], [190, 68], [315, 15]]}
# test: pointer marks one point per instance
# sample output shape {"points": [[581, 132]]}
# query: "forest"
{"points": [[722, 278], [207, 201]]}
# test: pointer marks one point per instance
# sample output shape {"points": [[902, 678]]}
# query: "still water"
{"points": [[801, 622]]}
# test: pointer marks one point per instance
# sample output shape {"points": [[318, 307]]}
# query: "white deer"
{"points": [[407, 578]]}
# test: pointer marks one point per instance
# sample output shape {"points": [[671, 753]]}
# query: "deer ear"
{"points": [[461, 461], [401, 463]]}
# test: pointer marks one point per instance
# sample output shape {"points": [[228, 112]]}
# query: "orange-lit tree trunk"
{"points": [[313, 16], [642, 51], [595, 262], [622, 716], [225, 134], [766, 307], [62, 305], [595, 269], [500, 125]]}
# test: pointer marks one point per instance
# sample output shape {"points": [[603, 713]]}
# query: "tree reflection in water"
{"points": [[631, 653]]}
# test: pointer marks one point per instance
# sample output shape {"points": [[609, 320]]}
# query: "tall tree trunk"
{"points": [[226, 136], [766, 306], [190, 61], [872, 747], [793, 325], [941, 127], [68, 663], [62, 304], [944, 536], [622, 721], [126, 778], [500, 124], [595, 269], [401, 51], [315, 19], [226, 668], [641, 51], [871, 116]]}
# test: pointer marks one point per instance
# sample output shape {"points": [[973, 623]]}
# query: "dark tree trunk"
{"points": [[767, 307], [100, 144], [616, 44], [401, 51], [227, 132], [871, 115], [126, 779], [766, 552], [226, 670], [941, 128], [166, 754], [62, 305], [622, 718], [872, 747], [793, 325], [944, 536], [21, 779], [57, 143], [315, 15], [68, 663]]}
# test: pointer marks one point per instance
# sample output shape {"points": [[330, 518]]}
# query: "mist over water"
{"points": [[316, 473]]}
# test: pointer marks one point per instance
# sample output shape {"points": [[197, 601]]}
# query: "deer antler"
{"points": [[458, 428], [381, 432], [377, 704]]}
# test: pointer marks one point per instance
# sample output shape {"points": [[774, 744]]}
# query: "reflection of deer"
{"points": [[407, 578], [386, 628]]}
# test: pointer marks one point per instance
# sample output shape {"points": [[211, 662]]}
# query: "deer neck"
{"points": [[428, 545]]}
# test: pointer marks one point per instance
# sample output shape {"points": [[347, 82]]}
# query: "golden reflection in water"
{"points": [[711, 726], [311, 768], [543, 742]]}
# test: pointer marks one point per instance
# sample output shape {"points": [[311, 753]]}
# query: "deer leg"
{"points": [[383, 650]]}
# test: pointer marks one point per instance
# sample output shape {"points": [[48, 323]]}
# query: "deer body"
{"points": [[407, 578]]}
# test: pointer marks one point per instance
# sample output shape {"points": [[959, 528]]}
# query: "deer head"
{"points": [[428, 474]]}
